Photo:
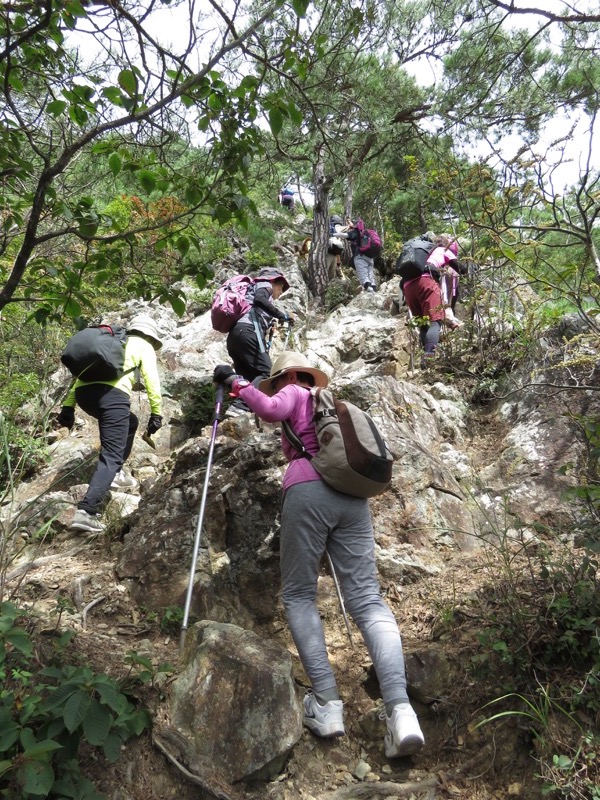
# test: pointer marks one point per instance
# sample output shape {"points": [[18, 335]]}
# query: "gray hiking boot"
{"points": [[82, 521], [123, 481]]}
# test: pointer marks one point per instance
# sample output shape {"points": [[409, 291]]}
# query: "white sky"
{"points": [[169, 26]]}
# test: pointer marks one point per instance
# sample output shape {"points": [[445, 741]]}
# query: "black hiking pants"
{"points": [[117, 425], [248, 361]]}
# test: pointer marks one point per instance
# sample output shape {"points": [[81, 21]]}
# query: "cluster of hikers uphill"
{"points": [[337, 458]]}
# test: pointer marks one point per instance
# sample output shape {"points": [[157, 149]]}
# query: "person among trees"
{"points": [[246, 341], [286, 198], [423, 294], [364, 265], [316, 518], [110, 403], [335, 245], [449, 268]]}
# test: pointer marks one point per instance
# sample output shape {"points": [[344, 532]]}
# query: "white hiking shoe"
{"points": [[404, 736], [325, 721], [123, 481], [82, 521]]}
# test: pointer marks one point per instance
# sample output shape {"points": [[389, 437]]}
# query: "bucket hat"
{"points": [[273, 274], [144, 324], [288, 362]]}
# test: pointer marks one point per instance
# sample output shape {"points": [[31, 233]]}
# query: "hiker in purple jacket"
{"points": [[315, 518], [246, 341], [364, 265]]}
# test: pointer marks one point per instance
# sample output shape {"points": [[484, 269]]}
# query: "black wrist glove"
{"points": [[224, 374], [66, 418], [289, 319], [154, 423]]}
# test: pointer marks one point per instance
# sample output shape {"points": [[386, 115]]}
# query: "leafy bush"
{"points": [[21, 453], [47, 712]]}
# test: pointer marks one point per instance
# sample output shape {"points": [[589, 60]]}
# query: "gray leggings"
{"points": [[315, 517]]}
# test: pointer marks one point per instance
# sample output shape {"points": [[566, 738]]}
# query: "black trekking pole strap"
{"points": [[188, 600]]}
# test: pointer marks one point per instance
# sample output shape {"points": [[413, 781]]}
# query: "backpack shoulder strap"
{"points": [[294, 440]]}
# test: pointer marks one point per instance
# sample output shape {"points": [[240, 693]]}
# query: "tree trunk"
{"points": [[317, 268]]}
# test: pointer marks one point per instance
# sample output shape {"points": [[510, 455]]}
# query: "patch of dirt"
{"points": [[457, 761]]}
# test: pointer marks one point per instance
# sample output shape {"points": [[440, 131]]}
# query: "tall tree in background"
{"points": [[115, 90], [354, 100]]}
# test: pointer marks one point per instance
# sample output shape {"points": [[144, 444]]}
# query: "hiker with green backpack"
{"points": [[317, 518], [107, 399]]}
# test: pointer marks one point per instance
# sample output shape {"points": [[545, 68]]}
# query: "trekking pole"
{"points": [[341, 599], [190, 589], [287, 335]]}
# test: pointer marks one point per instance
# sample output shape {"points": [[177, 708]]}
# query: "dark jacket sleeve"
{"points": [[262, 300]]}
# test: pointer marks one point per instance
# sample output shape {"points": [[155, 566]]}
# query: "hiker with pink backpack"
{"points": [[243, 309], [366, 246]]}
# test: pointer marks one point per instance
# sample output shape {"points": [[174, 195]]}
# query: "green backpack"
{"points": [[353, 456]]}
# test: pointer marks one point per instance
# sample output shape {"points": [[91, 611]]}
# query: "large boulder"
{"points": [[235, 702]]}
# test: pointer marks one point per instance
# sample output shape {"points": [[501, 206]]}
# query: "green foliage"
{"points": [[259, 238], [143, 671], [21, 452], [46, 712], [172, 619], [199, 405]]}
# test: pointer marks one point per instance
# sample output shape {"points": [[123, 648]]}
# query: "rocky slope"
{"points": [[467, 478]]}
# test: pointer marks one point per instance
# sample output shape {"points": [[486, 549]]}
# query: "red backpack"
{"points": [[232, 300], [370, 241]]}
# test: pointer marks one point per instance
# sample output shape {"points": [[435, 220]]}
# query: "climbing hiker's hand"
{"points": [[224, 374], [154, 423], [66, 418], [289, 319]]}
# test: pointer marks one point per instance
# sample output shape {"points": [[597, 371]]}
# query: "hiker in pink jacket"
{"points": [[316, 518], [443, 259]]}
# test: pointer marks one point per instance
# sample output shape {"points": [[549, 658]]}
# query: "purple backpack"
{"points": [[232, 300], [370, 241]]}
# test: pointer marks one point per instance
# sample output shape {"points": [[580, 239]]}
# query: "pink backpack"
{"points": [[232, 300]]}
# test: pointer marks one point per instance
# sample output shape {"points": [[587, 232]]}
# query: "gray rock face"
{"points": [[236, 702]]}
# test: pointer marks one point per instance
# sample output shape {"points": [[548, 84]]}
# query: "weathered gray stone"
{"points": [[235, 700]]}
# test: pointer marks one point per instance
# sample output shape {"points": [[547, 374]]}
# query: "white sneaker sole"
{"points": [[81, 526], [408, 747], [325, 731]]}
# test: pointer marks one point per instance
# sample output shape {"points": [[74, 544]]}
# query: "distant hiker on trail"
{"points": [[423, 294], [363, 260], [246, 341], [286, 198], [444, 259], [314, 519], [335, 246], [109, 402]]}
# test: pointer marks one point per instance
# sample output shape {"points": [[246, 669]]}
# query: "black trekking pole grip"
{"points": [[190, 589]]}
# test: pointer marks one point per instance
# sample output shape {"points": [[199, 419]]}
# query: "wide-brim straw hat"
{"points": [[292, 362], [146, 325]]}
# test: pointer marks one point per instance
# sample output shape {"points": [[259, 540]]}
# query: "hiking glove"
{"points": [[66, 418], [224, 374], [154, 423], [289, 319]]}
